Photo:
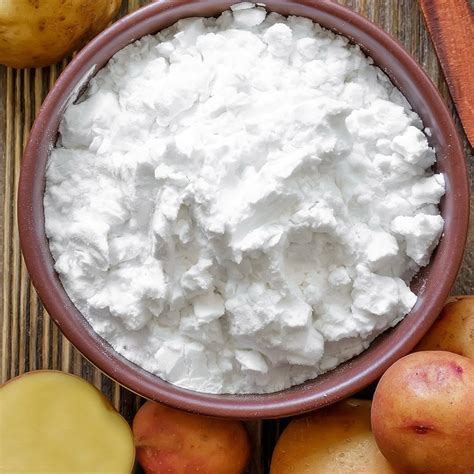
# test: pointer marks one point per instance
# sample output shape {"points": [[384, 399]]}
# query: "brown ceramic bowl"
{"points": [[432, 284]]}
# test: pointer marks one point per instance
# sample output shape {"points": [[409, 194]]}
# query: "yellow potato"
{"points": [[52, 422], [454, 329], [36, 33], [333, 440]]}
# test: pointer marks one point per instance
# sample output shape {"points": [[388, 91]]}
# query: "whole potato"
{"points": [[423, 416], [453, 331], [36, 33], [333, 440], [174, 441]]}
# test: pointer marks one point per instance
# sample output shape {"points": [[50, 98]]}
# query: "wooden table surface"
{"points": [[29, 340]]}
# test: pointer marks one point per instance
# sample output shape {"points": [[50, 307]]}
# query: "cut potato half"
{"points": [[52, 422]]}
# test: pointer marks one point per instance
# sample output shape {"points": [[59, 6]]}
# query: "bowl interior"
{"points": [[432, 284]]}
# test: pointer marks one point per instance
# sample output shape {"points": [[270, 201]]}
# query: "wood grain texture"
{"points": [[29, 340], [451, 24]]}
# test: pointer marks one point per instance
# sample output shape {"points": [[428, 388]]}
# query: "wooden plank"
{"points": [[29, 339]]}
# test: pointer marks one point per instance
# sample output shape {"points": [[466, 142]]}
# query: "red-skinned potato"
{"points": [[177, 442], [36, 33], [453, 331], [423, 416]]}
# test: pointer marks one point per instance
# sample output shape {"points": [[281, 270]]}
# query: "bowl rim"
{"points": [[337, 384]]}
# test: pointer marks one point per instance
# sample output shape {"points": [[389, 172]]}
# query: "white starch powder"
{"points": [[237, 204]]}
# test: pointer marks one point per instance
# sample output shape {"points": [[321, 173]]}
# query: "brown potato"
{"points": [[333, 440], [423, 416], [52, 422], [174, 441], [36, 33], [453, 331]]}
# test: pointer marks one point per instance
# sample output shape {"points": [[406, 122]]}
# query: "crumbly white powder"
{"points": [[237, 204]]}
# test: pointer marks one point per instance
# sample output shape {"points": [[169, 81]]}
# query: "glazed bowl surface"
{"points": [[432, 284]]}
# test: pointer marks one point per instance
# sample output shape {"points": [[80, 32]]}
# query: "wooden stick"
{"points": [[451, 25]]}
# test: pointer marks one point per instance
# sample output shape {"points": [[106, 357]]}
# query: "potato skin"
{"points": [[35, 33], [177, 442], [422, 414], [453, 331], [332, 440]]}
